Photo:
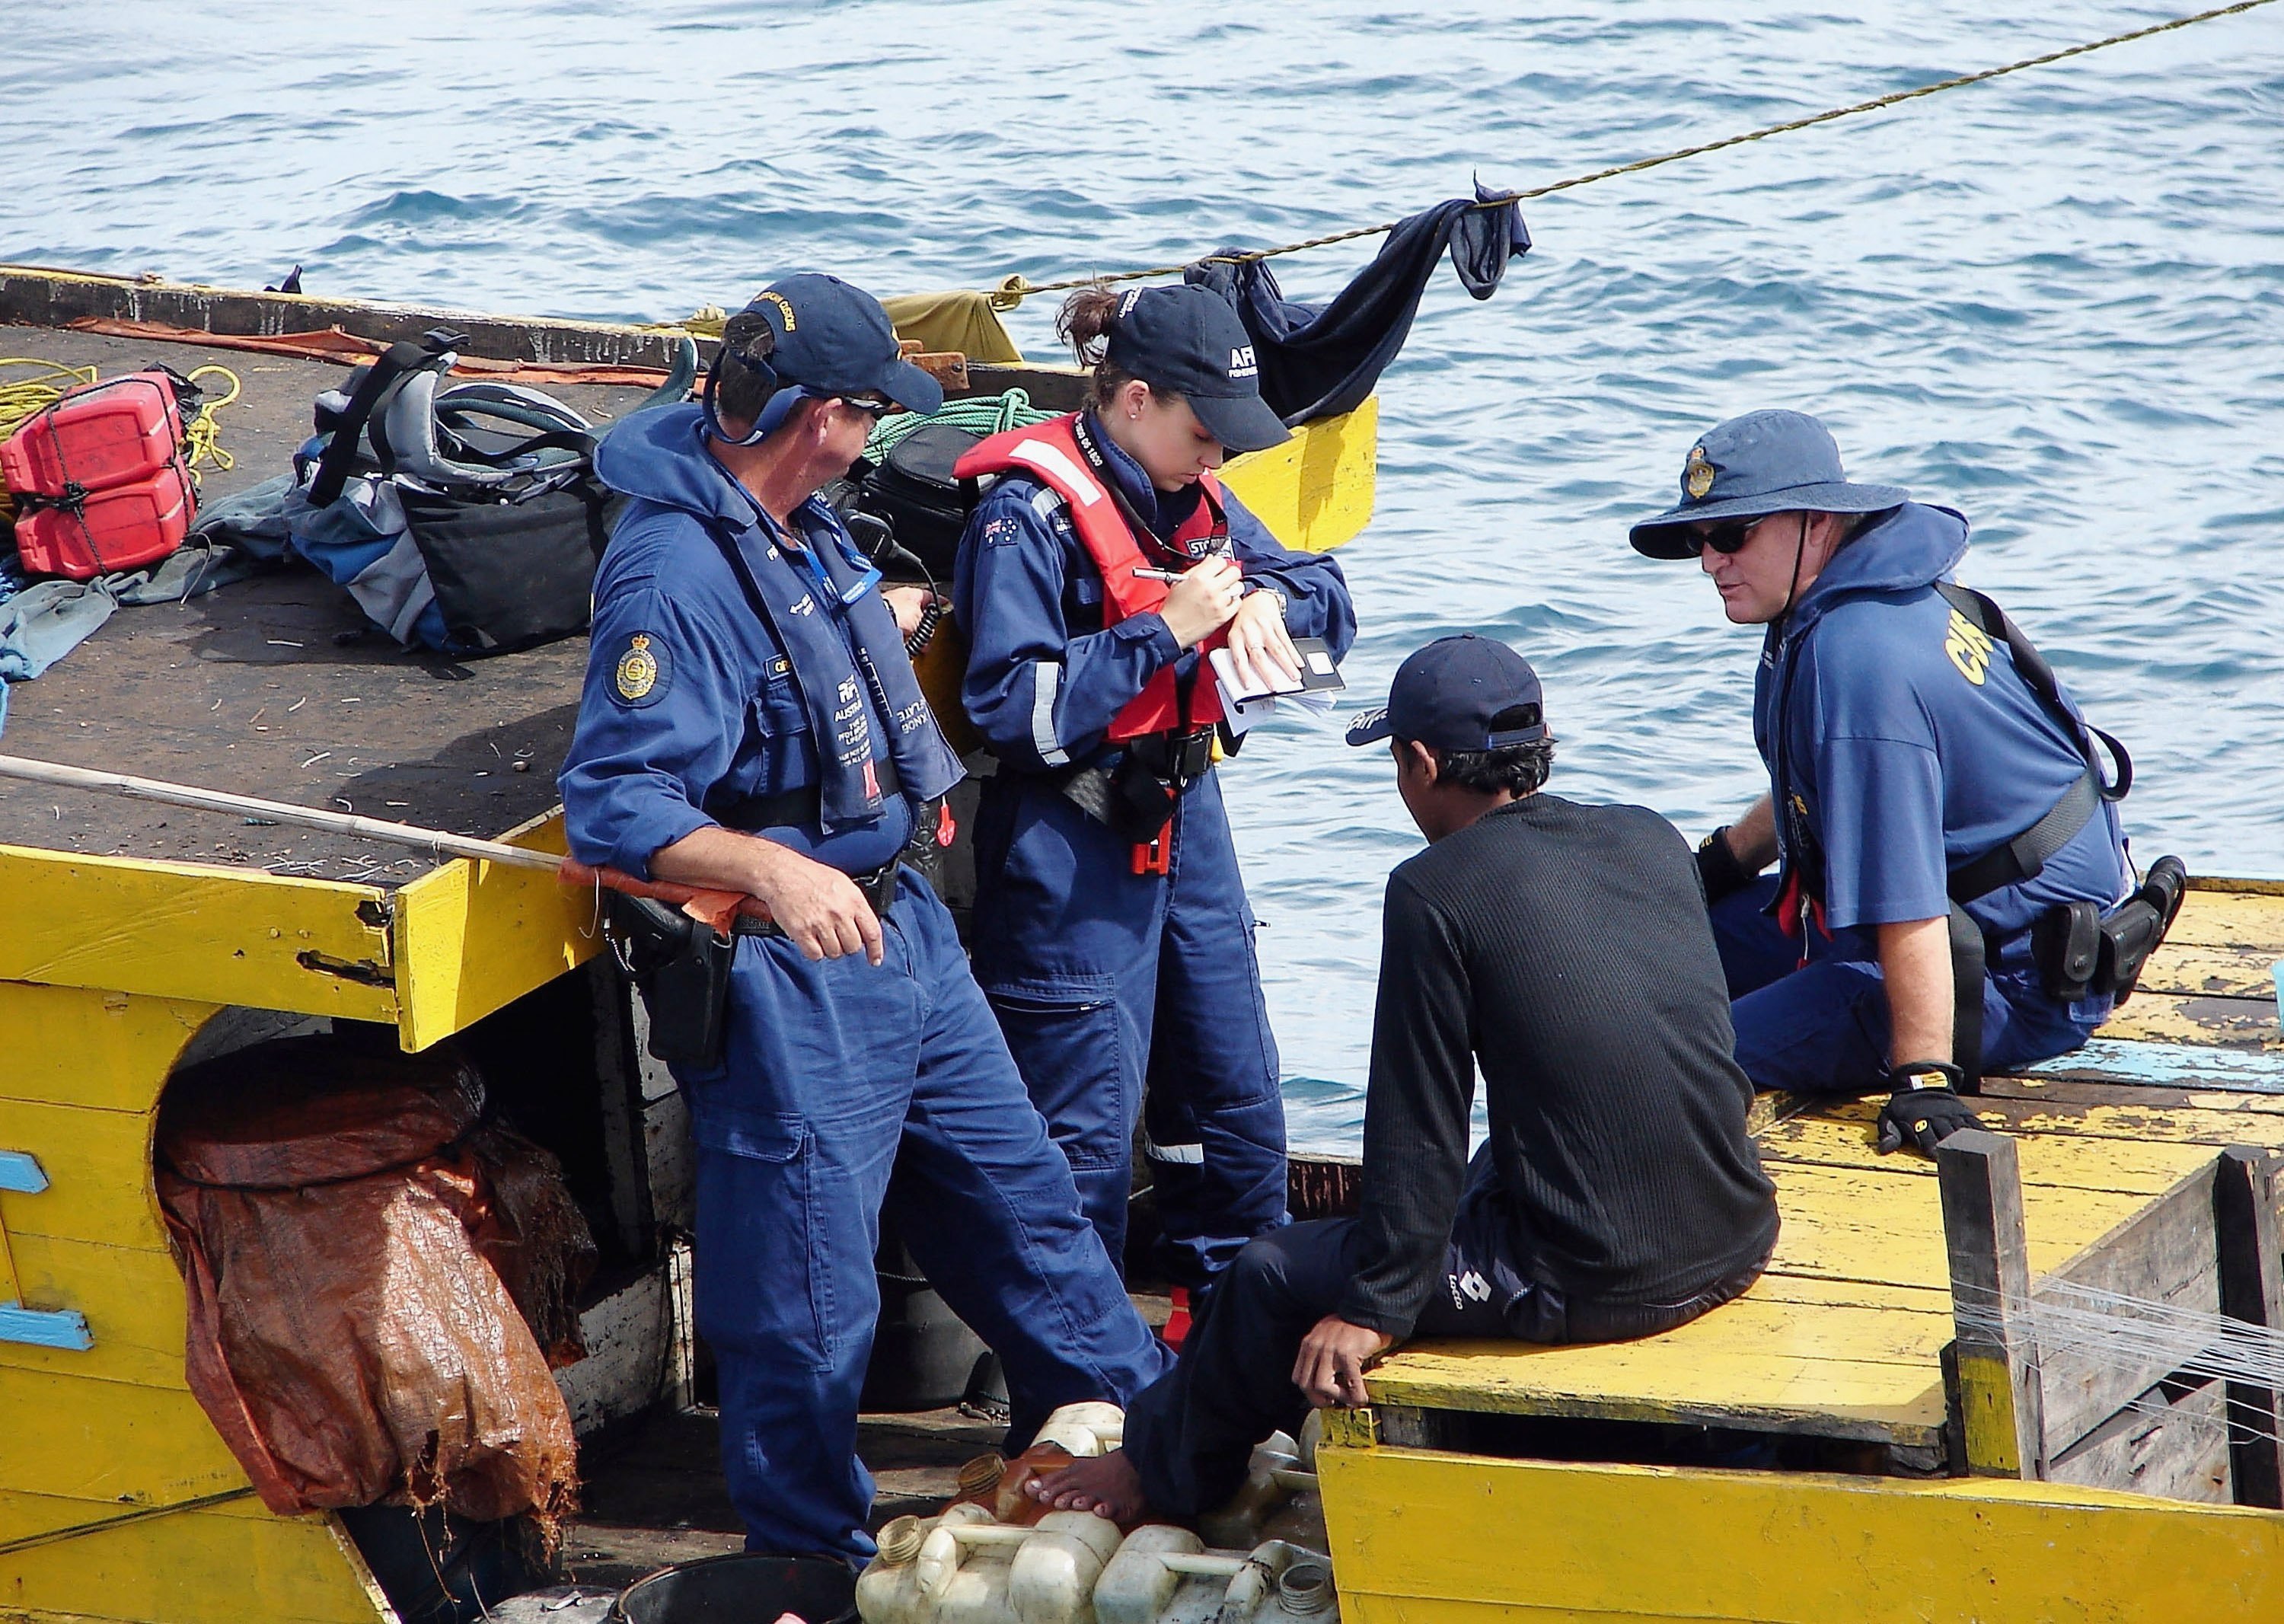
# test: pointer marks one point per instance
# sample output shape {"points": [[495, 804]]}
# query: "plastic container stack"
{"points": [[101, 479], [995, 1556]]}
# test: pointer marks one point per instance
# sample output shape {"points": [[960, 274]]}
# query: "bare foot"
{"points": [[1107, 1485]]}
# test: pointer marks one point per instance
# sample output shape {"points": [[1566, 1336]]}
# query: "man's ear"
{"points": [[1417, 758]]}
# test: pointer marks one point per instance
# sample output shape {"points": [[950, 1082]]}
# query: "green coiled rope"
{"points": [[981, 414]]}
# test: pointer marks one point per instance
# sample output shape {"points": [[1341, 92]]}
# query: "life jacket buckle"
{"points": [[1155, 856]]}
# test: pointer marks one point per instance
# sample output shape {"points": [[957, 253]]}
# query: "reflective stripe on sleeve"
{"points": [[1046, 682]]}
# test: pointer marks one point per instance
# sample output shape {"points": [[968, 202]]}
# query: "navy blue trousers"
{"points": [[1121, 994], [831, 1071], [1823, 1027]]}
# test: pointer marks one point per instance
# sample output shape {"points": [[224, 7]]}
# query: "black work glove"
{"points": [[1719, 868], [1926, 1108]]}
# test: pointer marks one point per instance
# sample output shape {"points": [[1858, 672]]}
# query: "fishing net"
{"points": [[379, 1280]]}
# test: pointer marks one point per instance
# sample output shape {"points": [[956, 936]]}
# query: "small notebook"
{"points": [[1247, 694]]}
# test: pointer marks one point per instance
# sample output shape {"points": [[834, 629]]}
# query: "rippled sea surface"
{"points": [[2055, 301]]}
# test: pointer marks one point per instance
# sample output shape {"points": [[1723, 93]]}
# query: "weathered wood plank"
{"points": [[469, 937], [109, 1442], [1997, 1362], [1847, 1137], [1421, 1538], [2250, 1236], [82, 1046], [41, 297], [98, 1168], [229, 1564], [2163, 1254], [131, 1298], [2247, 1023], [176, 930], [1886, 1225], [2176, 1451], [2238, 919]]}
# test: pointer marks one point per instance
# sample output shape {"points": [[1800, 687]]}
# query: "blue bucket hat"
{"points": [[1765, 462]]}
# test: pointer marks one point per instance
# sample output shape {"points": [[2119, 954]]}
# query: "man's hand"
{"points": [[1925, 1107], [1330, 1368], [1203, 601], [1258, 641], [817, 906], [907, 604]]}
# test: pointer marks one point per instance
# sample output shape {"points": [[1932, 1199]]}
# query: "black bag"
{"points": [[515, 572], [914, 491]]}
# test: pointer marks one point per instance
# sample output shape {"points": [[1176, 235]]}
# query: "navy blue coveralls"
{"points": [[1914, 747], [832, 1069], [1113, 987]]}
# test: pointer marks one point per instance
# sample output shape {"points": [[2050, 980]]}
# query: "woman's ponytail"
{"points": [[1084, 324]]}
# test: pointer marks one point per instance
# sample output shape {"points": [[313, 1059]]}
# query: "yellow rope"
{"points": [[1017, 285], [200, 434], [24, 397]]}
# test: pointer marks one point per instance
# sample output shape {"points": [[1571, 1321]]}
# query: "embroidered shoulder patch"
{"points": [[643, 672]]}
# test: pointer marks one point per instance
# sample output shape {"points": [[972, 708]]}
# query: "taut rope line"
{"points": [[1020, 287]]}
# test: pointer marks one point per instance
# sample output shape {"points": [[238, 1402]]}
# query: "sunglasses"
{"points": [[1727, 538], [875, 409]]}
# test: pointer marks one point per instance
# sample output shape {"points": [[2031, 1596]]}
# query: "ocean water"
{"points": [[2055, 301]]}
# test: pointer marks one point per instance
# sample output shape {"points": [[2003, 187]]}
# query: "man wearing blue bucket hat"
{"points": [[1947, 834], [751, 724]]}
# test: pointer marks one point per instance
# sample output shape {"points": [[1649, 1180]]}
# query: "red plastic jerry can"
{"points": [[100, 479], [97, 436], [124, 528]]}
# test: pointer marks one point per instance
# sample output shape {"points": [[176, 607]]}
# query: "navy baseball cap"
{"points": [[1447, 694], [1765, 462], [1189, 341], [835, 340]]}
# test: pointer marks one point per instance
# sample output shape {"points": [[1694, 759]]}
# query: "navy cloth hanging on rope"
{"points": [[1318, 361]]}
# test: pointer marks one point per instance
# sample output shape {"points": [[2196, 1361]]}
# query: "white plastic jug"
{"points": [[1053, 1578], [1166, 1576]]}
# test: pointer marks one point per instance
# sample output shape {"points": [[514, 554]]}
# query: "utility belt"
{"points": [[683, 968], [2079, 948], [1135, 797]]}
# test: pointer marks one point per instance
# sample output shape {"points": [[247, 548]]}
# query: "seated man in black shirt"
{"points": [[1565, 950]]}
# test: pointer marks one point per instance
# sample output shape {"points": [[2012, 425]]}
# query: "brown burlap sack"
{"points": [[372, 1275]]}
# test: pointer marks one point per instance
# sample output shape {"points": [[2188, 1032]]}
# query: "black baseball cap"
{"points": [[835, 340], [1447, 695], [1189, 341]]}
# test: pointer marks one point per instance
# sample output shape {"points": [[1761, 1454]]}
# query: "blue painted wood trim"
{"points": [[20, 1173], [63, 1328]]}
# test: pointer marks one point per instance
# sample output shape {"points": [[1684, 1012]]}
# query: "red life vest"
{"points": [[1051, 453]]}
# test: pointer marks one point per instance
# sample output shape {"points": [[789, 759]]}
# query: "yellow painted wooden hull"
{"points": [[1426, 1538]]}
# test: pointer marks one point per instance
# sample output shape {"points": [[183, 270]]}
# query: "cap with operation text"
{"points": [[1448, 695], [833, 338], [1189, 340]]}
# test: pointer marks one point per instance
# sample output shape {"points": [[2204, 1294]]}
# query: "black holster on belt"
{"points": [[683, 970], [2080, 949]]}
